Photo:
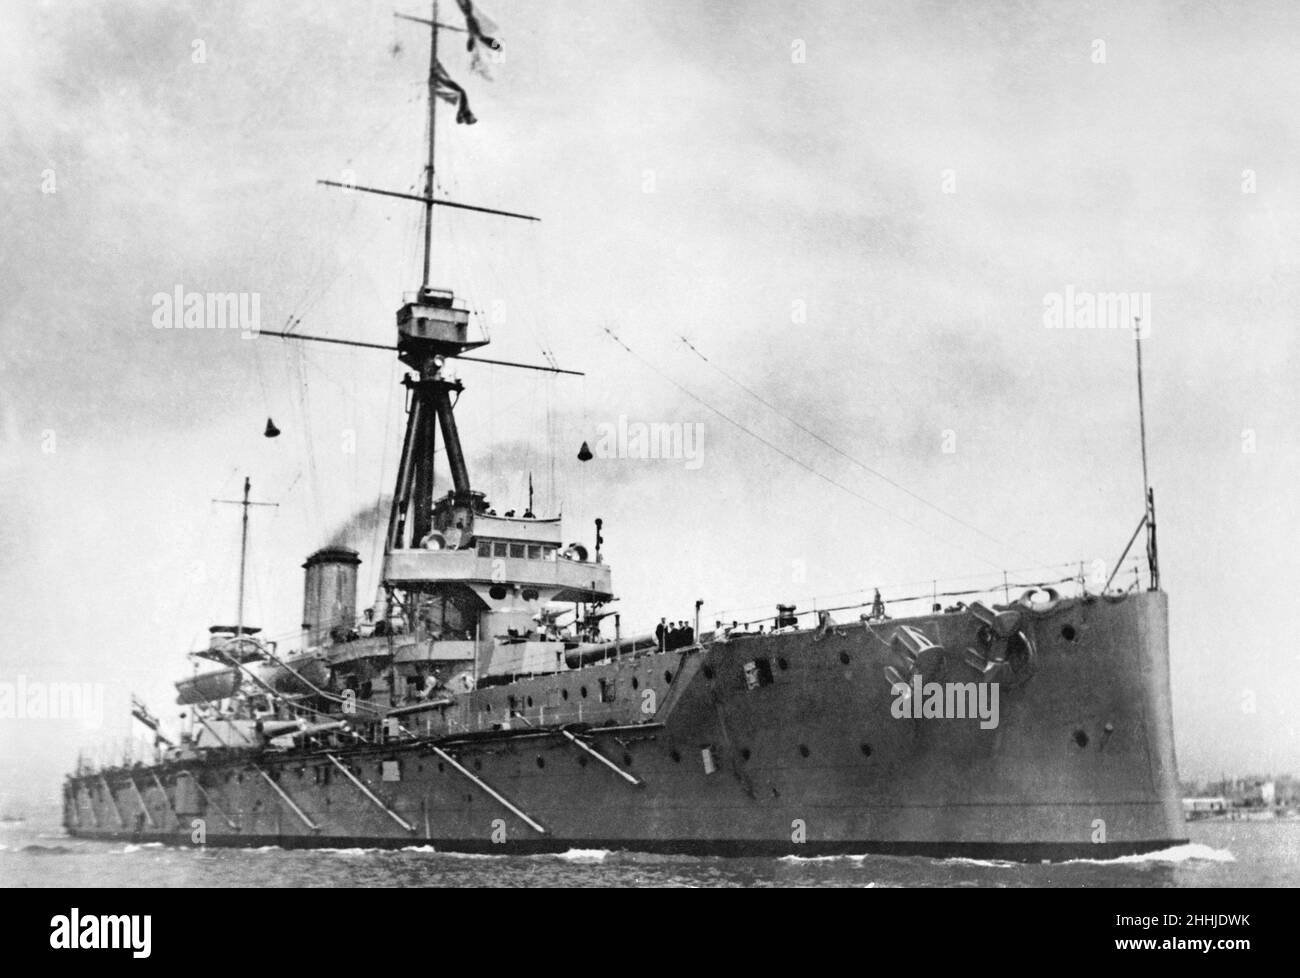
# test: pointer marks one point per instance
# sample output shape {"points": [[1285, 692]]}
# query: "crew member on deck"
{"points": [[456, 535], [877, 606]]}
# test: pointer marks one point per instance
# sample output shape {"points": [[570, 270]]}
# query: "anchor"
{"points": [[919, 654], [1008, 656]]}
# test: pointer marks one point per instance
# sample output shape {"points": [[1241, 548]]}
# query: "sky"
{"points": [[857, 214]]}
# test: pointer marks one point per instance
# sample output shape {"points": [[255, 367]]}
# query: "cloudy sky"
{"points": [[856, 211]]}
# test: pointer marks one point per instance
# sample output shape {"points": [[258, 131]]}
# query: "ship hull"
{"points": [[725, 848], [761, 745]]}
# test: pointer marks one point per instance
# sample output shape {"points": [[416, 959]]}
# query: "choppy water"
{"points": [[1221, 854]]}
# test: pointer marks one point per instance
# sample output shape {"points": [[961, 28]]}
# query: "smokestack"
{"points": [[330, 592]]}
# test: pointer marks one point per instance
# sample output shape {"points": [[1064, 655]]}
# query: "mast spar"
{"points": [[243, 548], [433, 129]]}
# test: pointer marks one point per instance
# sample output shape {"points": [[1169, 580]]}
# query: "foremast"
{"points": [[456, 573], [431, 327]]}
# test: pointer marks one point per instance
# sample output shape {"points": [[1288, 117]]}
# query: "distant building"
{"points": [[1194, 808]]}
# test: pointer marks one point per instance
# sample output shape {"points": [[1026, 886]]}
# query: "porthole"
{"points": [[530, 702], [564, 694], [866, 750], [1068, 633], [782, 664], [803, 750], [676, 755], [668, 676], [745, 754], [541, 761], [1081, 738], [708, 672], [844, 658], [627, 760], [582, 691], [636, 684], [497, 592]]}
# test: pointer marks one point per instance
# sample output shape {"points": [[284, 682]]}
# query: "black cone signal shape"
{"points": [[271, 430], [584, 453]]}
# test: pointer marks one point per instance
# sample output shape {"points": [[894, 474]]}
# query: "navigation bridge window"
{"points": [[519, 551]]}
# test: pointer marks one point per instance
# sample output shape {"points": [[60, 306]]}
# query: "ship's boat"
{"points": [[206, 687], [488, 701], [302, 673]]}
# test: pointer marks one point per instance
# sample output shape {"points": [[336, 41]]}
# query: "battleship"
{"points": [[489, 701]]}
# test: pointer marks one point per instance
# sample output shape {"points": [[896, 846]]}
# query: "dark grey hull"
{"points": [[809, 761], [728, 848]]}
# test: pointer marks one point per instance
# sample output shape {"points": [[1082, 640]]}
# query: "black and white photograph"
{"points": [[651, 444]]}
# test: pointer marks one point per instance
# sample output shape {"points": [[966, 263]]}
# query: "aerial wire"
{"points": [[797, 461], [858, 462]]}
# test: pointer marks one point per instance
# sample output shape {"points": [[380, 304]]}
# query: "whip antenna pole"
{"points": [[1148, 497]]}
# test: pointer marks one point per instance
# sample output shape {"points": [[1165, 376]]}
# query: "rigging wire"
{"points": [[948, 581], [379, 492], [317, 287], [198, 565], [856, 461], [297, 366], [552, 440], [797, 461]]}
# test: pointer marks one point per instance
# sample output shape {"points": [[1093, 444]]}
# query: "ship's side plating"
{"points": [[775, 743]]}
